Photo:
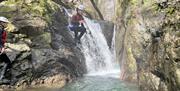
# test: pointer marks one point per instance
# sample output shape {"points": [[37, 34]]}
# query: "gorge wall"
{"points": [[147, 40]]}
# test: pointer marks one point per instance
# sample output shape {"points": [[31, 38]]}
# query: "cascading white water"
{"points": [[100, 60]]}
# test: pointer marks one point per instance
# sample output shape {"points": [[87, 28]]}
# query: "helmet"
{"points": [[4, 19], [81, 7]]}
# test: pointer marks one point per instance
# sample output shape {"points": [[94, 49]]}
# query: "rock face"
{"points": [[147, 38], [146, 43], [106, 9], [40, 47]]}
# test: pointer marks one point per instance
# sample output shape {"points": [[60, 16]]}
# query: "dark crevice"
{"points": [[2, 0], [159, 74]]}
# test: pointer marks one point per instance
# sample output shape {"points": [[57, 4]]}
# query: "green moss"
{"points": [[132, 62], [134, 2], [155, 7], [41, 8], [131, 21], [178, 76], [146, 1], [44, 39], [170, 10], [6, 9], [121, 6], [178, 34], [13, 2], [118, 8]]}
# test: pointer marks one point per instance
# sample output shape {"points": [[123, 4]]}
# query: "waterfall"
{"points": [[100, 60]]}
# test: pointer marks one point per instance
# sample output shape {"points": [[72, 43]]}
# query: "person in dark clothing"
{"points": [[3, 57], [76, 24]]}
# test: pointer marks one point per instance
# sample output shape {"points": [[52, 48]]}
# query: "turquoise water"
{"points": [[92, 83], [99, 84]]}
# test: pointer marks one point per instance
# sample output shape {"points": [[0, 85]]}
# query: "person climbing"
{"points": [[3, 57], [77, 23]]}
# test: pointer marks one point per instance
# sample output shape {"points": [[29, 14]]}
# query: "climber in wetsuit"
{"points": [[76, 23]]}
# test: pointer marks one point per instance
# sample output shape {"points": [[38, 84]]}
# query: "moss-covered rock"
{"points": [[40, 8], [39, 45]]}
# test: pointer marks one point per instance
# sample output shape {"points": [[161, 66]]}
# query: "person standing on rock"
{"points": [[3, 57], [77, 23]]}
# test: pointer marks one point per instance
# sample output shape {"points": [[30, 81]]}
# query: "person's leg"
{"points": [[75, 30], [7, 65], [3, 71], [6, 59], [76, 34], [82, 30]]}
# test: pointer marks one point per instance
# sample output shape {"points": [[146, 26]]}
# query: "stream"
{"points": [[94, 83], [103, 70], [97, 83]]}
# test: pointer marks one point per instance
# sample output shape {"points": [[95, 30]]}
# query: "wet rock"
{"points": [[17, 51], [5, 81], [40, 47], [56, 81]]}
